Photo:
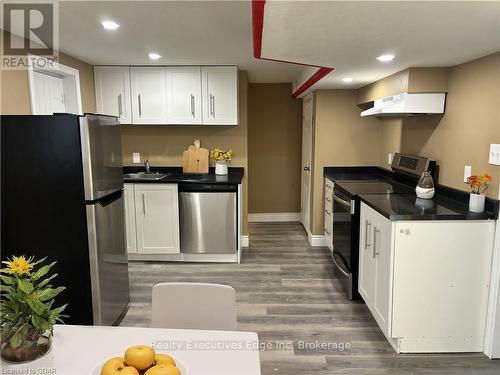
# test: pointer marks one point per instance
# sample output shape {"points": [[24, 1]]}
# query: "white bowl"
{"points": [[180, 365]]}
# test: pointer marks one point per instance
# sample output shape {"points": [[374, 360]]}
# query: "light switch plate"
{"points": [[467, 172], [494, 154], [136, 157]]}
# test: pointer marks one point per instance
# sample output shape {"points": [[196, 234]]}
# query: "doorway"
{"points": [[307, 134]]}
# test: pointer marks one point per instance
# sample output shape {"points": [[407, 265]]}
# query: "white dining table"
{"points": [[80, 350]]}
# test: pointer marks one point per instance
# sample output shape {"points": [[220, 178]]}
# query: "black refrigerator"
{"points": [[62, 198]]}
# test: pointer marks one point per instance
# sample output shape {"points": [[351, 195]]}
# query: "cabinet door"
{"points": [[382, 250], [129, 208], [184, 95], [366, 277], [112, 92], [220, 95], [157, 218], [149, 95]]}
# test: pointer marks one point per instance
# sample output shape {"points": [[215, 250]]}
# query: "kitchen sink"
{"points": [[144, 176]]}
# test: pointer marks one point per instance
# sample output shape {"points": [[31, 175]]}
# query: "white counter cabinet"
{"points": [[426, 282]]}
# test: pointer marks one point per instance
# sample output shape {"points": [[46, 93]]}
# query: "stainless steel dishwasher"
{"points": [[208, 218]]}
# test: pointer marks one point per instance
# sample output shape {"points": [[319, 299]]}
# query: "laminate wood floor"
{"points": [[291, 296]]}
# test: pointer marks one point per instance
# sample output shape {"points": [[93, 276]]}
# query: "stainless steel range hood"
{"points": [[407, 104]]}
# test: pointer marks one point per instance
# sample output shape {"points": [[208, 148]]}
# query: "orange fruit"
{"points": [[141, 357], [117, 366], [163, 370], [164, 359]]}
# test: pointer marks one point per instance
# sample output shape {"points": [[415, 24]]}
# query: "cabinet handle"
{"points": [[367, 226], [144, 203], [140, 106], [120, 105], [213, 106], [375, 231], [192, 105]]}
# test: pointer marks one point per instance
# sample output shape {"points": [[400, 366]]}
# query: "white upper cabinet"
{"points": [[112, 92], [149, 95], [220, 95], [184, 95]]}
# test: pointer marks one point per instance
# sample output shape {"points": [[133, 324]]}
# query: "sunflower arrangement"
{"points": [[27, 312], [218, 154], [479, 183]]}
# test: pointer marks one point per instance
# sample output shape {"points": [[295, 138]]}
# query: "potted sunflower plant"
{"points": [[27, 315], [478, 185], [222, 158]]}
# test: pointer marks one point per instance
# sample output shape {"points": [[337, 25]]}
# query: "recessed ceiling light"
{"points": [[110, 25], [385, 58], [347, 79], [154, 56]]}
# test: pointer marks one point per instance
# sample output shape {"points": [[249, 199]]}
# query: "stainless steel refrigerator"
{"points": [[62, 197]]}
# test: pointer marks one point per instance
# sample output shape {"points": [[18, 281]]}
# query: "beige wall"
{"points": [[341, 138], [164, 145], [274, 148], [14, 87], [391, 85], [471, 122]]}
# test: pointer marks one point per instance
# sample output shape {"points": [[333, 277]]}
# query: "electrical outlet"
{"points": [[494, 154], [467, 172], [136, 157], [389, 158]]}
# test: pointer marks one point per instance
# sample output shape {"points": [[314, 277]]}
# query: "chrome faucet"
{"points": [[146, 166]]}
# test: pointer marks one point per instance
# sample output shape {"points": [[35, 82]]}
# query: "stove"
{"points": [[347, 206]]}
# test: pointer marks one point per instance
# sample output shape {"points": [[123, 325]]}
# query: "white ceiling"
{"points": [[182, 32], [340, 34], [350, 35]]}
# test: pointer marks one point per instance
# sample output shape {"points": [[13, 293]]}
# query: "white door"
{"points": [[149, 95], [112, 92], [382, 247], [366, 277], [307, 124], [49, 94], [157, 218], [184, 95], [129, 209], [220, 95]]}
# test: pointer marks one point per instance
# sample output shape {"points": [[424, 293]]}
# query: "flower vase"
{"points": [[476, 203], [33, 345], [221, 167]]}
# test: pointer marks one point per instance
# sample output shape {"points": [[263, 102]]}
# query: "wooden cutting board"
{"points": [[195, 160]]}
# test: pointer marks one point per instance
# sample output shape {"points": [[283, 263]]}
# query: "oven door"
{"points": [[343, 210]]}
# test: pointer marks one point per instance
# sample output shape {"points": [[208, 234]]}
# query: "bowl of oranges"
{"points": [[141, 360]]}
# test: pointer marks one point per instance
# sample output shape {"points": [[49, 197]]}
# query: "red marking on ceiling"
{"points": [[257, 31]]}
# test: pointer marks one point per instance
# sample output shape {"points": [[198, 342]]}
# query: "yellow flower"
{"points": [[19, 265]]}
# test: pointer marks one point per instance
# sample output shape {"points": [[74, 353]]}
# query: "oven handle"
{"points": [[338, 265], [346, 204]]}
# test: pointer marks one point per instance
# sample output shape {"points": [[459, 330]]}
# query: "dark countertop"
{"points": [[175, 175], [399, 207], [394, 196]]}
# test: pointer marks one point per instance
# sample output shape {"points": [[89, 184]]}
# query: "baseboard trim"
{"points": [[316, 240], [278, 216], [245, 240]]}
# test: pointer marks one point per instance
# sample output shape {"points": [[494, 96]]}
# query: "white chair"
{"points": [[194, 306]]}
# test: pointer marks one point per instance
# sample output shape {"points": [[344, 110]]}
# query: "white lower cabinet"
{"points": [[155, 224], [328, 222], [426, 282]]}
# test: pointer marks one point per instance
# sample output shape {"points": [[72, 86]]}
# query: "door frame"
{"points": [[70, 77], [307, 98]]}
